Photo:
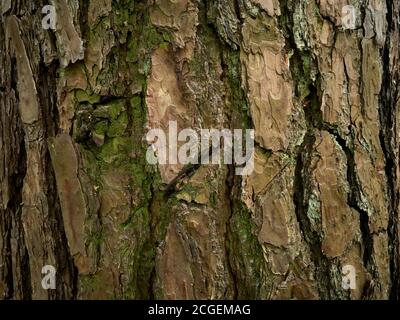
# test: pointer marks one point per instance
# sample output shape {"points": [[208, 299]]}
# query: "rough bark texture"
{"points": [[76, 191]]}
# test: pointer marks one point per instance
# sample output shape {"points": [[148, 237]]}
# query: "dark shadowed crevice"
{"points": [[16, 274], [231, 192], [307, 93], [65, 265], [354, 201], [326, 284], [301, 198], [388, 137], [245, 261], [15, 233], [17, 181]]}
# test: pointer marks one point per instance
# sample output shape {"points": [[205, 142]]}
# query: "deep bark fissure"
{"points": [[237, 117], [387, 111], [303, 168], [354, 199], [16, 210], [312, 238], [64, 260], [18, 285], [230, 190]]}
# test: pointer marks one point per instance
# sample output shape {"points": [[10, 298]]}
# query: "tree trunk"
{"points": [[76, 190]]}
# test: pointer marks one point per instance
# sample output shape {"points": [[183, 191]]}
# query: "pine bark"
{"points": [[76, 191]]}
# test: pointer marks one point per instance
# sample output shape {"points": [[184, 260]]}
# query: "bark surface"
{"points": [[76, 191]]}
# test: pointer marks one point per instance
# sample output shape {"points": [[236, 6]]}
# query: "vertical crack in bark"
{"points": [[18, 284], [231, 192], [16, 209], [315, 121], [247, 277], [16, 274], [65, 264], [7, 275], [314, 117], [327, 289], [388, 126], [300, 197], [354, 200]]}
